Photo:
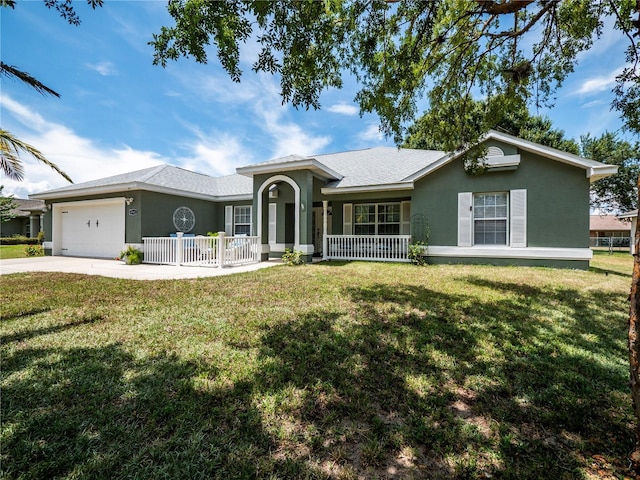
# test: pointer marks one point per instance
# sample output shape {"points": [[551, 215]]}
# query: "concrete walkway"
{"points": [[118, 269]]}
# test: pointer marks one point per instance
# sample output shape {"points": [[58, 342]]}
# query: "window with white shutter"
{"points": [[347, 219], [465, 218], [228, 220], [518, 218]]}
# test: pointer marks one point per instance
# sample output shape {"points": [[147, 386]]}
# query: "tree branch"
{"points": [[503, 7], [40, 87]]}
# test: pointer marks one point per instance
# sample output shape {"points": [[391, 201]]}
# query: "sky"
{"points": [[118, 112]]}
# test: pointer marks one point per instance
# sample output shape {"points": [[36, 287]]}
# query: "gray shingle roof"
{"points": [[377, 166], [166, 177], [359, 168], [26, 206]]}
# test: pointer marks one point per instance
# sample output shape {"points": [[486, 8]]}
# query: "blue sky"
{"points": [[118, 112]]}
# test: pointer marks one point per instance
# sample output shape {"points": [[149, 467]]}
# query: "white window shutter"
{"points": [[251, 232], [518, 218], [228, 220], [405, 218], [273, 208], [347, 219], [465, 219]]}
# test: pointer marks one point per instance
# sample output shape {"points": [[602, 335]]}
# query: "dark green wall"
{"points": [[557, 200], [15, 226], [155, 215]]}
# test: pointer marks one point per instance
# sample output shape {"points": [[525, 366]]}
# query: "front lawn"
{"points": [[12, 251], [345, 370]]}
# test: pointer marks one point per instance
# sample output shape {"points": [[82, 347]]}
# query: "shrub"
{"points": [[417, 253], [292, 257], [34, 251], [131, 256], [18, 240]]}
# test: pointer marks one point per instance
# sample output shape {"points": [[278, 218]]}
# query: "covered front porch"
{"points": [[297, 207]]}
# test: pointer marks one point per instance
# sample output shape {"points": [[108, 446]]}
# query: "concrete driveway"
{"points": [[118, 269]]}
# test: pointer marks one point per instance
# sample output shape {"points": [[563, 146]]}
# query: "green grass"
{"points": [[345, 370], [12, 251]]}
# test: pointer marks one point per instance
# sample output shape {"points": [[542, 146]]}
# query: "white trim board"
{"points": [[534, 253]]}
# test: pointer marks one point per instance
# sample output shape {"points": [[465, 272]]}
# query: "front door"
{"points": [[317, 226]]}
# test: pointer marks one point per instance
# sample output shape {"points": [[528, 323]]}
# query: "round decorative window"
{"points": [[183, 219]]}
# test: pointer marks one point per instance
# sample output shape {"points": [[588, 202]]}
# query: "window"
{"points": [[242, 220], [490, 218], [377, 219]]}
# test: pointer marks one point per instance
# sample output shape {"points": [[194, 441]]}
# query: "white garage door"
{"points": [[92, 229]]}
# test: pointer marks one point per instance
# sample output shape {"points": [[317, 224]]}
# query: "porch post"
{"points": [[221, 248], [325, 204], [32, 226], [179, 248]]}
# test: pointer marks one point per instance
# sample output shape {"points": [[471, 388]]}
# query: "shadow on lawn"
{"points": [[607, 271], [101, 413], [28, 334], [412, 376], [410, 382]]}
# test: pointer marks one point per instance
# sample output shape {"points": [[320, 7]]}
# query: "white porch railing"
{"points": [[381, 248], [220, 251]]}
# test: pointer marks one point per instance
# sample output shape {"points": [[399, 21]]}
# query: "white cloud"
{"points": [[371, 134], [594, 103], [215, 87], [103, 68], [215, 153], [343, 109], [79, 157], [598, 84], [288, 137]]}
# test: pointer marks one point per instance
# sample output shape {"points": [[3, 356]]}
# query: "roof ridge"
{"points": [[152, 171]]}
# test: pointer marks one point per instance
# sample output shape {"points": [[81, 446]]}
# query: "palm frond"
{"points": [[11, 71], [10, 161]]}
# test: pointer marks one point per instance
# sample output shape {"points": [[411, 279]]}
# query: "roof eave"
{"points": [[367, 188], [549, 152], [596, 173], [81, 192], [430, 168], [307, 164], [133, 186]]}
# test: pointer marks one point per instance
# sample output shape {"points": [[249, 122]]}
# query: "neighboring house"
{"points": [[530, 207], [631, 216], [609, 231], [28, 219]]}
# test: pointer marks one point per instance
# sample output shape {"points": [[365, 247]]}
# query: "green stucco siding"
{"points": [[557, 200], [155, 216]]}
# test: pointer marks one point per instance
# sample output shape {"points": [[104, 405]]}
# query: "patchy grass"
{"points": [[12, 251], [342, 370]]}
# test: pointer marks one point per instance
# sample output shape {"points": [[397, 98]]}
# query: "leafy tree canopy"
{"points": [[7, 204], [617, 193], [519, 123], [511, 52]]}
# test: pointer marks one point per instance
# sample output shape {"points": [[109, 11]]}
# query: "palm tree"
{"points": [[10, 146], [10, 161]]}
